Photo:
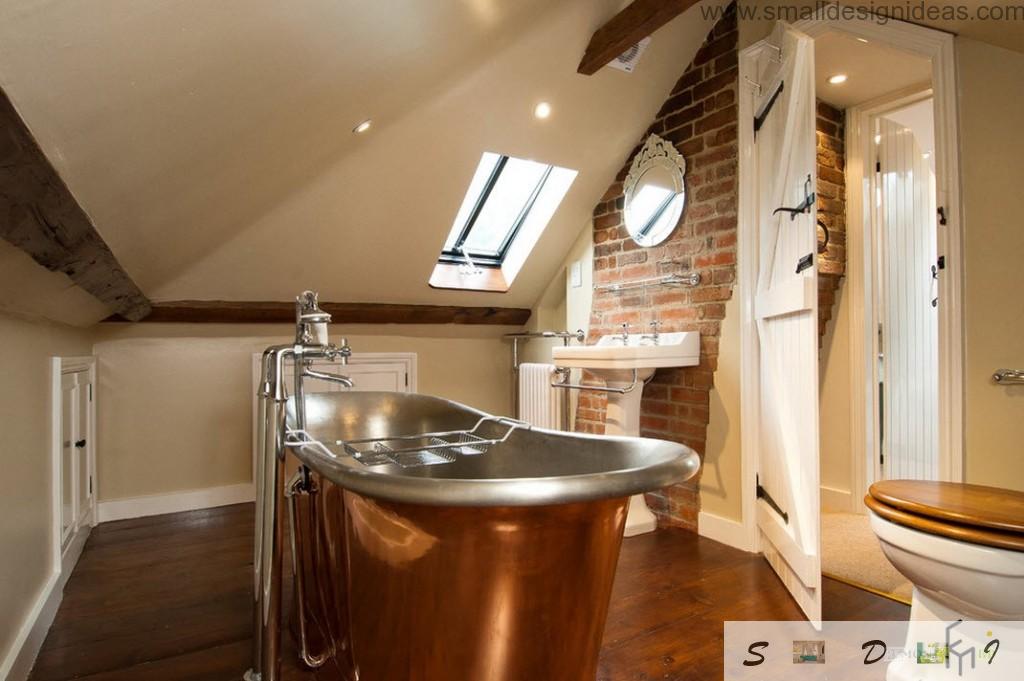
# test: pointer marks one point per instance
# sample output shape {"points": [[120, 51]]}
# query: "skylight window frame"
{"points": [[455, 254]]}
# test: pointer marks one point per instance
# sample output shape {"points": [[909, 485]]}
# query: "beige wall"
{"points": [[176, 400], [721, 480], [564, 307], [25, 470], [992, 156], [834, 381]]}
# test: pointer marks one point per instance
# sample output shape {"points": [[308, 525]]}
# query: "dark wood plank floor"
{"points": [[167, 599]]}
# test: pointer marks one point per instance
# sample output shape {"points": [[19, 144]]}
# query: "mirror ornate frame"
{"points": [[656, 153]]}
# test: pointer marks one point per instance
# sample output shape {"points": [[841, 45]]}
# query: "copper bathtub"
{"points": [[497, 566]]}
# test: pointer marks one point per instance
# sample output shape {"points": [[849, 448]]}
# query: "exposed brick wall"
{"points": [[831, 208], [700, 118]]}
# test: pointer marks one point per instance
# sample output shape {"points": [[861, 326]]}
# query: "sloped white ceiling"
{"points": [[211, 142]]}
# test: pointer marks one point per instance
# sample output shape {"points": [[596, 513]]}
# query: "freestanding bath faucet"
{"points": [[311, 343]]}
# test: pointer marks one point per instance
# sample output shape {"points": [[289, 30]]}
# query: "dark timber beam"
{"points": [[39, 215], [639, 20], [246, 312]]}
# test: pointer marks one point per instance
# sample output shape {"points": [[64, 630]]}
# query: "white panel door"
{"points": [[84, 448], [785, 312], [909, 339], [76, 456], [68, 416], [389, 372]]}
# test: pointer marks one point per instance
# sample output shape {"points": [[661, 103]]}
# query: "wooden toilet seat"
{"points": [[970, 513]]}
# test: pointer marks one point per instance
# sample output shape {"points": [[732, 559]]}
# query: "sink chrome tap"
{"points": [[653, 336]]}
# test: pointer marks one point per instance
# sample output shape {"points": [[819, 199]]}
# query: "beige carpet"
{"points": [[850, 553]]}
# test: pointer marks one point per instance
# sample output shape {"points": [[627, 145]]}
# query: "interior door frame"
{"points": [[938, 47], [64, 561], [863, 310]]}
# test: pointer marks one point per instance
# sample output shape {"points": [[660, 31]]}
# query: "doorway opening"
{"points": [[890, 111], [884, 341]]}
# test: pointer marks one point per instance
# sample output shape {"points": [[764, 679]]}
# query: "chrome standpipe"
{"points": [[311, 343]]}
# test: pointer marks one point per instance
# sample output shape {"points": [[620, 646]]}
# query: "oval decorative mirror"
{"points": [[654, 192]]}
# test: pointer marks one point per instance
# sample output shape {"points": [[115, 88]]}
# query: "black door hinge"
{"points": [[762, 493], [759, 120], [878, 166]]}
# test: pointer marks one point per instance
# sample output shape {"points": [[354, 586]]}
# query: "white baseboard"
{"points": [[833, 499], [22, 655], [723, 530], [189, 500]]}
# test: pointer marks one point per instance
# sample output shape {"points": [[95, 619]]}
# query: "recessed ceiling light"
{"points": [[862, 40], [837, 79], [363, 127], [542, 110]]}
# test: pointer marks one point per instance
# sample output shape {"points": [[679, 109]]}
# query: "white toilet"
{"points": [[962, 547]]}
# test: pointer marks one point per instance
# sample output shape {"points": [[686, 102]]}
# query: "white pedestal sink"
{"points": [[625, 364]]}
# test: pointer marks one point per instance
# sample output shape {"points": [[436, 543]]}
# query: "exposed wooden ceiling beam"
{"points": [[39, 215], [639, 20], [250, 312]]}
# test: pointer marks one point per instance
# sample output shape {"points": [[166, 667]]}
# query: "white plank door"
{"points": [[909, 340], [786, 312]]}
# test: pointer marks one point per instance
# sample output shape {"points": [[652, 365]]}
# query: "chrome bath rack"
{"points": [[422, 449]]}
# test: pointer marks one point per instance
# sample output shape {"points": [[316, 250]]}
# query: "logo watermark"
{"points": [[865, 651], [914, 11]]}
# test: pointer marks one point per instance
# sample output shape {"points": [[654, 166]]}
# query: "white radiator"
{"points": [[539, 403]]}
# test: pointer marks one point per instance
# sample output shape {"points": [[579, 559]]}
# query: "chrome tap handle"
{"points": [[625, 332], [342, 351], [654, 334]]}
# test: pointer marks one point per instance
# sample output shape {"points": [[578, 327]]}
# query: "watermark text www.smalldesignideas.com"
{"points": [[914, 11]]}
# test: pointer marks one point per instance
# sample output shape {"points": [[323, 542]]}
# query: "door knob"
{"points": [[80, 444]]}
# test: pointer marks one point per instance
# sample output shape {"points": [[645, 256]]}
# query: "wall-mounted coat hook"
{"points": [[804, 207]]}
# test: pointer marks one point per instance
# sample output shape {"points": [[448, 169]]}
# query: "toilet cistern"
{"points": [[626, 362]]}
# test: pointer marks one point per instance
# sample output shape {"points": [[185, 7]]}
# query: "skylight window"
{"points": [[502, 195], [506, 208]]}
